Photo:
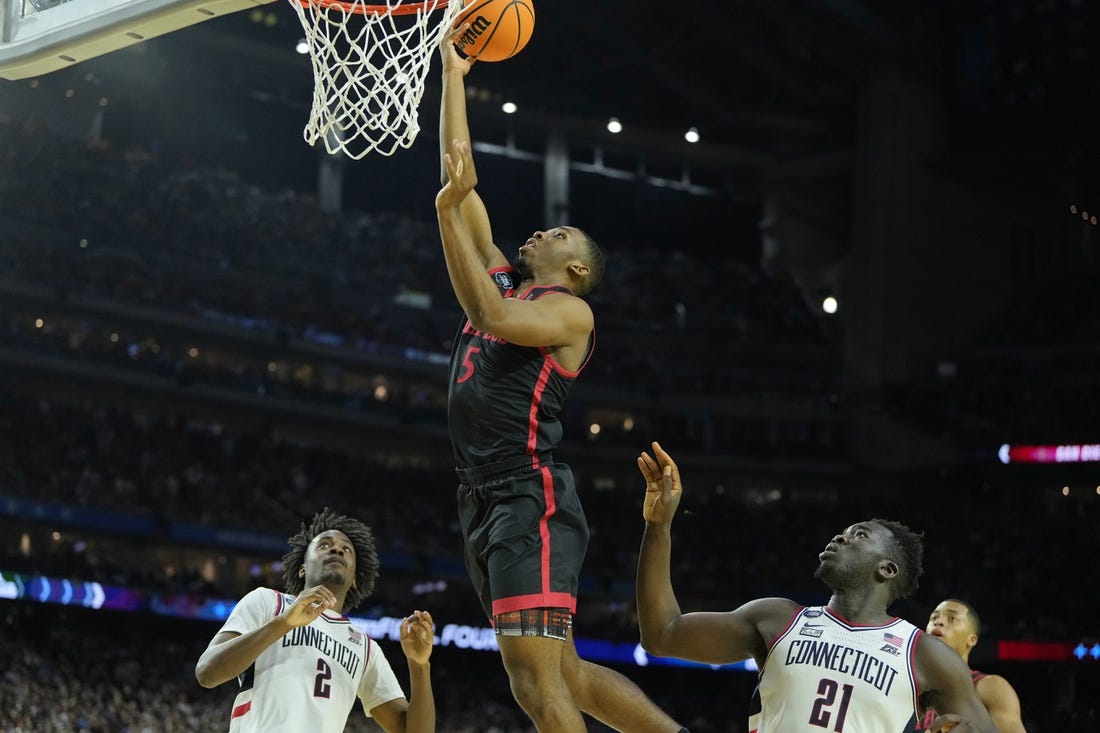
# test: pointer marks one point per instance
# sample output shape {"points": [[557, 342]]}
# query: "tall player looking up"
{"points": [[299, 662], [845, 666], [526, 337]]}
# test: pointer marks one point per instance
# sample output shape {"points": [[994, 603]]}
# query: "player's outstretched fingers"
{"points": [[417, 636], [448, 45], [456, 31], [666, 460], [649, 468]]}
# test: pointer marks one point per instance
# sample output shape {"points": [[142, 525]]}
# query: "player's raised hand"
{"points": [[662, 486], [461, 175], [310, 604], [417, 636], [452, 61]]}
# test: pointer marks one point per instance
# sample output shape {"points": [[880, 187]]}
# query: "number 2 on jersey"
{"points": [[468, 364], [819, 716], [321, 687]]}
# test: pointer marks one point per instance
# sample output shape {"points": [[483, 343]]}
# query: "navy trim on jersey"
{"points": [[338, 620], [858, 627], [790, 624], [247, 678], [914, 681]]}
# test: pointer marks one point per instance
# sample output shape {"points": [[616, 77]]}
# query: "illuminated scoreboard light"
{"points": [[1047, 651], [50, 590], [1072, 453], [1084, 653]]}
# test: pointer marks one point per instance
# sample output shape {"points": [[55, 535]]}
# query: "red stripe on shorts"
{"points": [[544, 525], [534, 600]]}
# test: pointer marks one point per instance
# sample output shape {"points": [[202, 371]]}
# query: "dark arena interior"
{"points": [[866, 287]]}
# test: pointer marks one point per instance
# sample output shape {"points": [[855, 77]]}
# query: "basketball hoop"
{"points": [[369, 65]]}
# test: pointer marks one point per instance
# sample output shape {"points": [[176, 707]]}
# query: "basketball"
{"points": [[499, 29]]}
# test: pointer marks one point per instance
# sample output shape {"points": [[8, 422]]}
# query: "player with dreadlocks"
{"points": [[299, 662]]}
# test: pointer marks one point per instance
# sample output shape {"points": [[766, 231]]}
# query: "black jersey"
{"points": [[505, 400]]}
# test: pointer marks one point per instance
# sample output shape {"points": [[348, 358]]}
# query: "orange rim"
{"points": [[353, 7]]}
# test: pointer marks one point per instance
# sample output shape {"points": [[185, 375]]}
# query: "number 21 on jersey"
{"points": [[825, 706]]}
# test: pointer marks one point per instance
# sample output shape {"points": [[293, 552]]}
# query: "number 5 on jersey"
{"points": [[468, 364]]}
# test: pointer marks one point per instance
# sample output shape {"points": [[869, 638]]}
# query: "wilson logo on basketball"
{"points": [[478, 25]]}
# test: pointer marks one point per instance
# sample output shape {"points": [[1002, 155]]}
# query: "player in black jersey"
{"points": [[526, 336], [956, 623], [847, 663]]}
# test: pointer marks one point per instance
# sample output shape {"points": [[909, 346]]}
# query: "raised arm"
{"points": [[453, 125], [231, 653], [556, 319], [417, 714], [949, 689], [711, 638]]}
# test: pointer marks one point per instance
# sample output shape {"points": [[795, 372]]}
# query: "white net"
{"points": [[369, 65]]}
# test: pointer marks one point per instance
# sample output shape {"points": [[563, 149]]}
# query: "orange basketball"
{"points": [[499, 29]]}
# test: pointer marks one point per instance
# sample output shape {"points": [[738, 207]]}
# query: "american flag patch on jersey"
{"points": [[893, 640], [355, 635]]}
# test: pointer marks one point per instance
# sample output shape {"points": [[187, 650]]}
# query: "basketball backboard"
{"points": [[40, 36]]}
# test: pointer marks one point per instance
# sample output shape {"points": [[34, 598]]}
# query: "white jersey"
{"points": [[824, 673], [307, 680]]}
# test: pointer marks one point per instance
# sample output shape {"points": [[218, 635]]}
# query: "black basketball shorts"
{"points": [[525, 538]]}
